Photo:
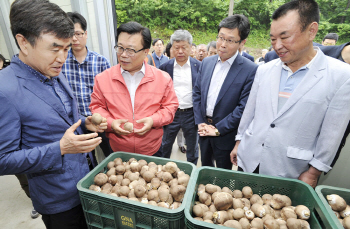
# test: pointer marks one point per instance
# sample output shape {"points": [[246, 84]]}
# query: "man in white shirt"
{"points": [[221, 92], [184, 70]]}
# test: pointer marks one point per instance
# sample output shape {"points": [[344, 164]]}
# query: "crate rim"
{"points": [[188, 216], [178, 211], [318, 190]]}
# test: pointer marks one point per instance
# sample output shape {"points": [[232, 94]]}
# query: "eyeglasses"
{"points": [[129, 52], [79, 35], [221, 39]]}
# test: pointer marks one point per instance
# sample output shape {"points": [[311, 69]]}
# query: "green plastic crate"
{"points": [[298, 191], [324, 190], [106, 211]]}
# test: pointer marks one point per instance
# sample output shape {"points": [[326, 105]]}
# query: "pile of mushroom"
{"points": [[241, 209], [341, 209], [149, 183]]}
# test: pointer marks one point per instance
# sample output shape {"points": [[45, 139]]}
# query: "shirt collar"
{"points": [[71, 55], [37, 74], [159, 57], [143, 69], [187, 63], [308, 65], [230, 60]]}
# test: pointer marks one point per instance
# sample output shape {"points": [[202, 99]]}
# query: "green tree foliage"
{"points": [[184, 14], [202, 17], [335, 18]]}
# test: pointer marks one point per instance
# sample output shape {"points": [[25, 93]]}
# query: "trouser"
{"points": [[106, 148], [180, 138], [23, 181], [185, 121], [255, 171], [209, 153], [71, 219]]}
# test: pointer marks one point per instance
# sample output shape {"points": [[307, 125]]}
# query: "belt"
{"points": [[209, 119], [187, 109]]}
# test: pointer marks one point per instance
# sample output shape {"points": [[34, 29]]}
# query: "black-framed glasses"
{"points": [[230, 41], [129, 51], [78, 34]]}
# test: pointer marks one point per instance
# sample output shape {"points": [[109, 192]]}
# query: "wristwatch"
{"points": [[217, 133]]}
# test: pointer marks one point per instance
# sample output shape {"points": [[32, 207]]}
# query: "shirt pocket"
{"points": [[301, 154]]}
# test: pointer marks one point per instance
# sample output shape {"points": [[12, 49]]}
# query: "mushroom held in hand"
{"points": [[96, 119], [129, 126]]}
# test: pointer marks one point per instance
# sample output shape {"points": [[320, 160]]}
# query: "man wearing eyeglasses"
{"points": [[221, 92], [134, 92], [80, 69]]}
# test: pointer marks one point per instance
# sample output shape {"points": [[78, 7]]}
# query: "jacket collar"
{"points": [[149, 74], [314, 75], [33, 84]]}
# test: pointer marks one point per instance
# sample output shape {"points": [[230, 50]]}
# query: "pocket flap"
{"points": [[301, 154]]}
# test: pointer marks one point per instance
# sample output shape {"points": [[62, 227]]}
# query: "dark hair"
{"points": [[134, 28], [167, 49], [193, 44], [238, 21], [211, 44], [331, 36], [36, 17], [2, 58], [308, 11], [5, 62], [78, 18], [156, 40]]}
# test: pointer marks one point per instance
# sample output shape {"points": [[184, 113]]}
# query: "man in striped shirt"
{"points": [[80, 69]]}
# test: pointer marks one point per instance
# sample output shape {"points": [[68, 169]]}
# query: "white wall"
{"points": [[93, 28], [339, 176], [67, 7], [3, 48]]}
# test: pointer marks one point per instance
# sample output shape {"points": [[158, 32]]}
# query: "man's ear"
{"points": [[22, 43], [313, 28], [146, 51], [241, 45]]}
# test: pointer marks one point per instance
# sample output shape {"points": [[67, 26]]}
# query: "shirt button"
{"points": [[262, 144], [272, 125]]}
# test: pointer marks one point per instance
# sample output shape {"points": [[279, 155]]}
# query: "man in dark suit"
{"points": [[184, 70], [249, 57], [271, 56], [221, 92]]}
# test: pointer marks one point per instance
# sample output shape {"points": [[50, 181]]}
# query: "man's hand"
{"points": [[147, 122], [209, 130], [201, 128], [117, 129], [234, 152], [95, 128], [84, 143], [206, 130], [310, 176]]}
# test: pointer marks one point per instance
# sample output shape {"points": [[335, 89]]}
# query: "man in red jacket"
{"points": [[134, 92]]}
